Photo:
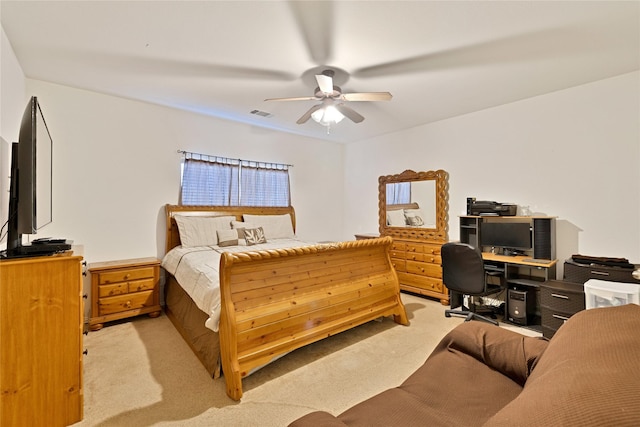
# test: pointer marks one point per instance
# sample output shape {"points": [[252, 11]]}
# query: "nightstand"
{"points": [[122, 289]]}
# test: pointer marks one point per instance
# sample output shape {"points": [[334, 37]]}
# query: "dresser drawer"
{"points": [[399, 264], [552, 320], [125, 302], [580, 273], [423, 282], [429, 258], [398, 246], [423, 268], [394, 253], [126, 275], [566, 302]]}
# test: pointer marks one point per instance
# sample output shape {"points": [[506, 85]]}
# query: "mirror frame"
{"points": [[440, 233]]}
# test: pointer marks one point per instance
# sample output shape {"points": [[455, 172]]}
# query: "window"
{"points": [[398, 193], [216, 181]]}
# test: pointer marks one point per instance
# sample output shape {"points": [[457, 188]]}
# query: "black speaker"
{"points": [[520, 306], [542, 239], [470, 201]]}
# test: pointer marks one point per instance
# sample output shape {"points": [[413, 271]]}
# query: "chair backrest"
{"points": [[462, 268]]}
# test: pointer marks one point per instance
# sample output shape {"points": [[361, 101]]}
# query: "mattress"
{"points": [[196, 269]]}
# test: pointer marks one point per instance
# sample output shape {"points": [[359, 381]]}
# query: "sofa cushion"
{"points": [[477, 367], [588, 376]]}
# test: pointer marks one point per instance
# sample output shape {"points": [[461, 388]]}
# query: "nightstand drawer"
{"points": [[125, 302], [142, 285], [126, 275], [113, 290]]}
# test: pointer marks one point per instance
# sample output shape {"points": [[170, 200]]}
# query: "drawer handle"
{"points": [[557, 316], [601, 273], [127, 304], [559, 296]]}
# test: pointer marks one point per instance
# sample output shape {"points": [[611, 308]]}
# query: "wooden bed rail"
{"points": [[276, 301]]}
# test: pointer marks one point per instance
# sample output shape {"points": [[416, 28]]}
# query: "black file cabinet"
{"points": [[559, 301]]}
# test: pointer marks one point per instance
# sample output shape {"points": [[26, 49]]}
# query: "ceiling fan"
{"points": [[331, 97]]}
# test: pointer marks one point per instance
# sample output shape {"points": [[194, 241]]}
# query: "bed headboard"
{"points": [[412, 205], [173, 235]]}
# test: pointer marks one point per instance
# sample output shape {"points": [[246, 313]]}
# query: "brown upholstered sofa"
{"points": [[588, 374]]}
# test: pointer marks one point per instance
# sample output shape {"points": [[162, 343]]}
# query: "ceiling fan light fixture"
{"points": [[327, 116]]}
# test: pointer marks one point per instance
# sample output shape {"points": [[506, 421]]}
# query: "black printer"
{"points": [[485, 207]]}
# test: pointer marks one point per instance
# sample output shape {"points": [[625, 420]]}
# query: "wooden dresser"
{"points": [[41, 324], [418, 224], [419, 268], [121, 289]]}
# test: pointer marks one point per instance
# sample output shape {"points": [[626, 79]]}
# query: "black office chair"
{"points": [[463, 272]]}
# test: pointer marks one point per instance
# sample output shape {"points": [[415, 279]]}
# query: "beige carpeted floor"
{"points": [[141, 373]]}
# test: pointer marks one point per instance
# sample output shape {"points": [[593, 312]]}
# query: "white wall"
{"points": [[12, 103], [116, 165], [573, 154]]}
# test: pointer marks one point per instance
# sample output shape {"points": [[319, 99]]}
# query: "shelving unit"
{"points": [[543, 233], [523, 273]]}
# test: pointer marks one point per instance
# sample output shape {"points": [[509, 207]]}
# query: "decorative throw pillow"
{"points": [[228, 237], [415, 221], [254, 236], [414, 217]]}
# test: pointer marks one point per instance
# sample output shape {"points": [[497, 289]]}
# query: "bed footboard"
{"points": [[276, 301]]}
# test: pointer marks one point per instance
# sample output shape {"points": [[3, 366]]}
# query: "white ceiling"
{"points": [[439, 59]]}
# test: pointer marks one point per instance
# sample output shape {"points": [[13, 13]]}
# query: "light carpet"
{"points": [[141, 373]]}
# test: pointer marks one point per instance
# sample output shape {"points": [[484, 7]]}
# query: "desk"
{"points": [[522, 276], [519, 269], [519, 274]]}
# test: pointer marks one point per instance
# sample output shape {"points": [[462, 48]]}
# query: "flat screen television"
{"points": [[30, 191], [507, 235]]}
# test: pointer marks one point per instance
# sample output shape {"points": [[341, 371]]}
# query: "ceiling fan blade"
{"points": [[517, 48], [350, 113], [302, 98], [315, 22], [306, 116], [325, 83], [367, 96]]}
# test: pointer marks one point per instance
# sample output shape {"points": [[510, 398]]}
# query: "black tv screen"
{"points": [[30, 193], [511, 235]]}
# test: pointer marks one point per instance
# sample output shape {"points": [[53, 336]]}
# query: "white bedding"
{"points": [[196, 270]]}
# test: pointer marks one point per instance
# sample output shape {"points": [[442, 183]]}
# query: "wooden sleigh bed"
{"points": [[277, 300]]}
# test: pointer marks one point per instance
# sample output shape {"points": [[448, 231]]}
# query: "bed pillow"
{"points": [[231, 237], [414, 217], [274, 226], [254, 236], [198, 230], [395, 218]]}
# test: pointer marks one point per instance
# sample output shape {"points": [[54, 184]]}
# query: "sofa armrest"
{"points": [[508, 352], [318, 418]]}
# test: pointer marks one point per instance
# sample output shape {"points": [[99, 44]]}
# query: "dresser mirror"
{"points": [[414, 205]]}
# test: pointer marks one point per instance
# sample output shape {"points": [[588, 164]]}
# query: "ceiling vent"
{"points": [[261, 113]]}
